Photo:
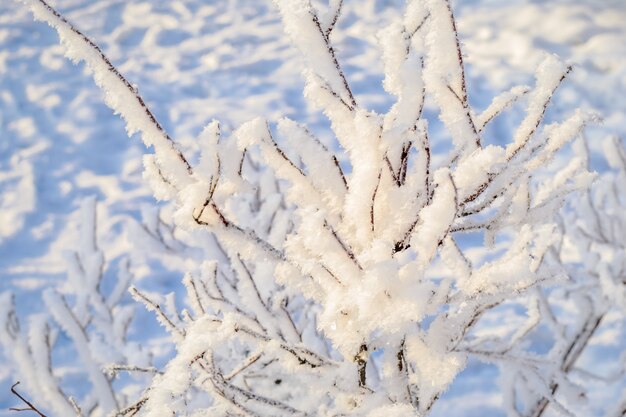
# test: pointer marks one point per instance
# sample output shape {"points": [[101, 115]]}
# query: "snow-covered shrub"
{"points": [[592, 252], [340, 283]]}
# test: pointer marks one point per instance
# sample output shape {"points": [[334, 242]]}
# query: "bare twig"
{"points": [[30, 405]]}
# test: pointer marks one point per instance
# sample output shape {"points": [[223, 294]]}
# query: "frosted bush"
{"points": [[96, 322], [591, 251], [343, 288]]}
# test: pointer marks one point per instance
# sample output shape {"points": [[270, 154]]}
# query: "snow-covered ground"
{"points": [[194, 61]]}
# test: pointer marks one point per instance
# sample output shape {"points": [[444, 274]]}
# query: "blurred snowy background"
{"points": [[194, 61]]}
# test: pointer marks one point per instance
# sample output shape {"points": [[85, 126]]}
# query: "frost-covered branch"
{"points": [[121, 95]]}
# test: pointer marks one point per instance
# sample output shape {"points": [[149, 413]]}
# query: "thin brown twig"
{"points": [[30, 405]]}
